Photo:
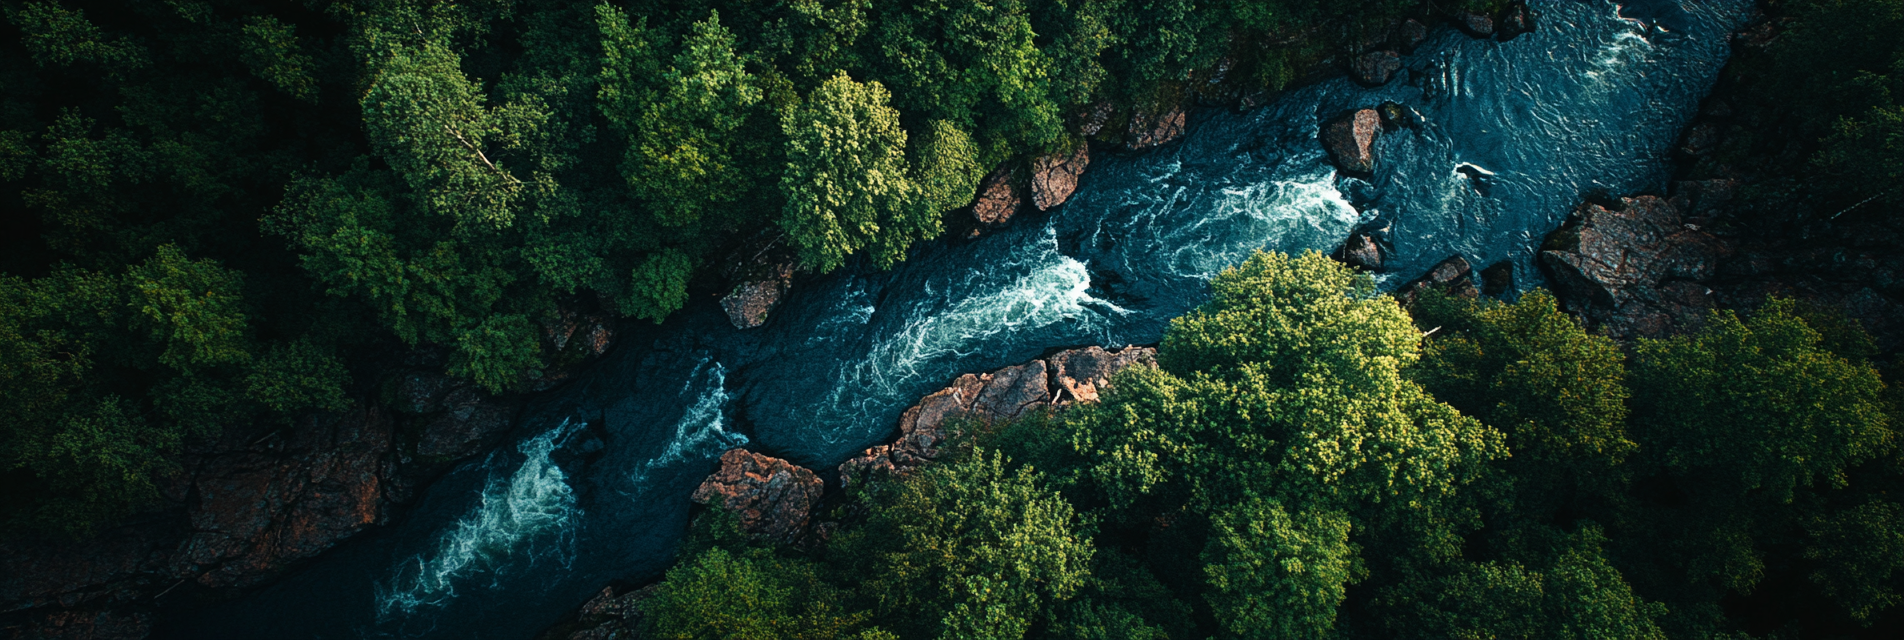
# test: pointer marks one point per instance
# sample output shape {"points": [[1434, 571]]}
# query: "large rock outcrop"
{"points": [[1077, 375], [1054, 177], [773, 498], [1637, 269], [998, 198], [750, 303], [1350, 140]]}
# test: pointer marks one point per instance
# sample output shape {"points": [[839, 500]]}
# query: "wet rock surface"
{"points": [[1375, 68], [1453, 276], [1350, 139], [1516, 20], [1361, 251], [752, 301], [1636, 269], [773, 498], [1148, 131], [1077, 375], [998, 198], [1475, 24], [614, 614], [1054, 177]]}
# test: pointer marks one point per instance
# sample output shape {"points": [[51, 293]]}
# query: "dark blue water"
{"points": [[595, 487]]}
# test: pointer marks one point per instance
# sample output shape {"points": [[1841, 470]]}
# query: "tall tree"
{"points": [[847, 183]]}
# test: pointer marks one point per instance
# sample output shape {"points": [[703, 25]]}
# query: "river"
{"points": [[594, 486]]}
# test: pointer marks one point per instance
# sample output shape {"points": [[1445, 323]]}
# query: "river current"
{"points": [[594, 486]]}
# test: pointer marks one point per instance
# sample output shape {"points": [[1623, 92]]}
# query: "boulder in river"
{"points": [[1452, 276], [1410, 34], [1375, 68], [1516, 20], [750, 303], [1350, 140], [1634, 269], [1361, 251], [1478, 25], [772, 497], [1498, 279], [1054, 177], [998, 198]]}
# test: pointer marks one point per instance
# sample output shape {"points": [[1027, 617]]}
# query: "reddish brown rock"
{"points": [[1083, 374], [1700, 200], [1148, 131], [1634, 270], [1375, 68], [1452, 276], [571, 340], [998, 198], [1349, 140], [1410, 34], [87, 624], [772, 497], [752, 301], [259, 510], [1054, 177], [613, 614], [1476, 24], [1516, 20], [1003, 394], [1361, 251]]}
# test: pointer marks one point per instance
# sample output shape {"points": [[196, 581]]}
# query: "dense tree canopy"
{"points": [[453, 175]]}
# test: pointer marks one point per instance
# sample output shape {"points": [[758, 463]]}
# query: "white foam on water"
{"points": [[1627, 47], [530, 514], [702, 430], [1285, 215], [1054, 288]]}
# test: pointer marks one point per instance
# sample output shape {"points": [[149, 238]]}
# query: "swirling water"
{"points": [[1510, 135]]}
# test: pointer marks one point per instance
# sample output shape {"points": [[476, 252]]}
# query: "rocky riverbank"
{"points": [[251, 506]]}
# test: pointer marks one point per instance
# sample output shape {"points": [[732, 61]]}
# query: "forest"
{"points": [[225, 213], [222, 212]]}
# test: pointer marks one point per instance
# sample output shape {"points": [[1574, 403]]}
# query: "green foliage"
{"points": [[193, 309], [297, 375], [273, 54], [1277, 576], [846, 183], [1758, 403], [1570, 592], [945, 164], [1857, 551], [659, 285], [428, 121], [751, 595], [1558, 393], [967, 550], [59, 36], [1281, 416], [684, 121]]}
